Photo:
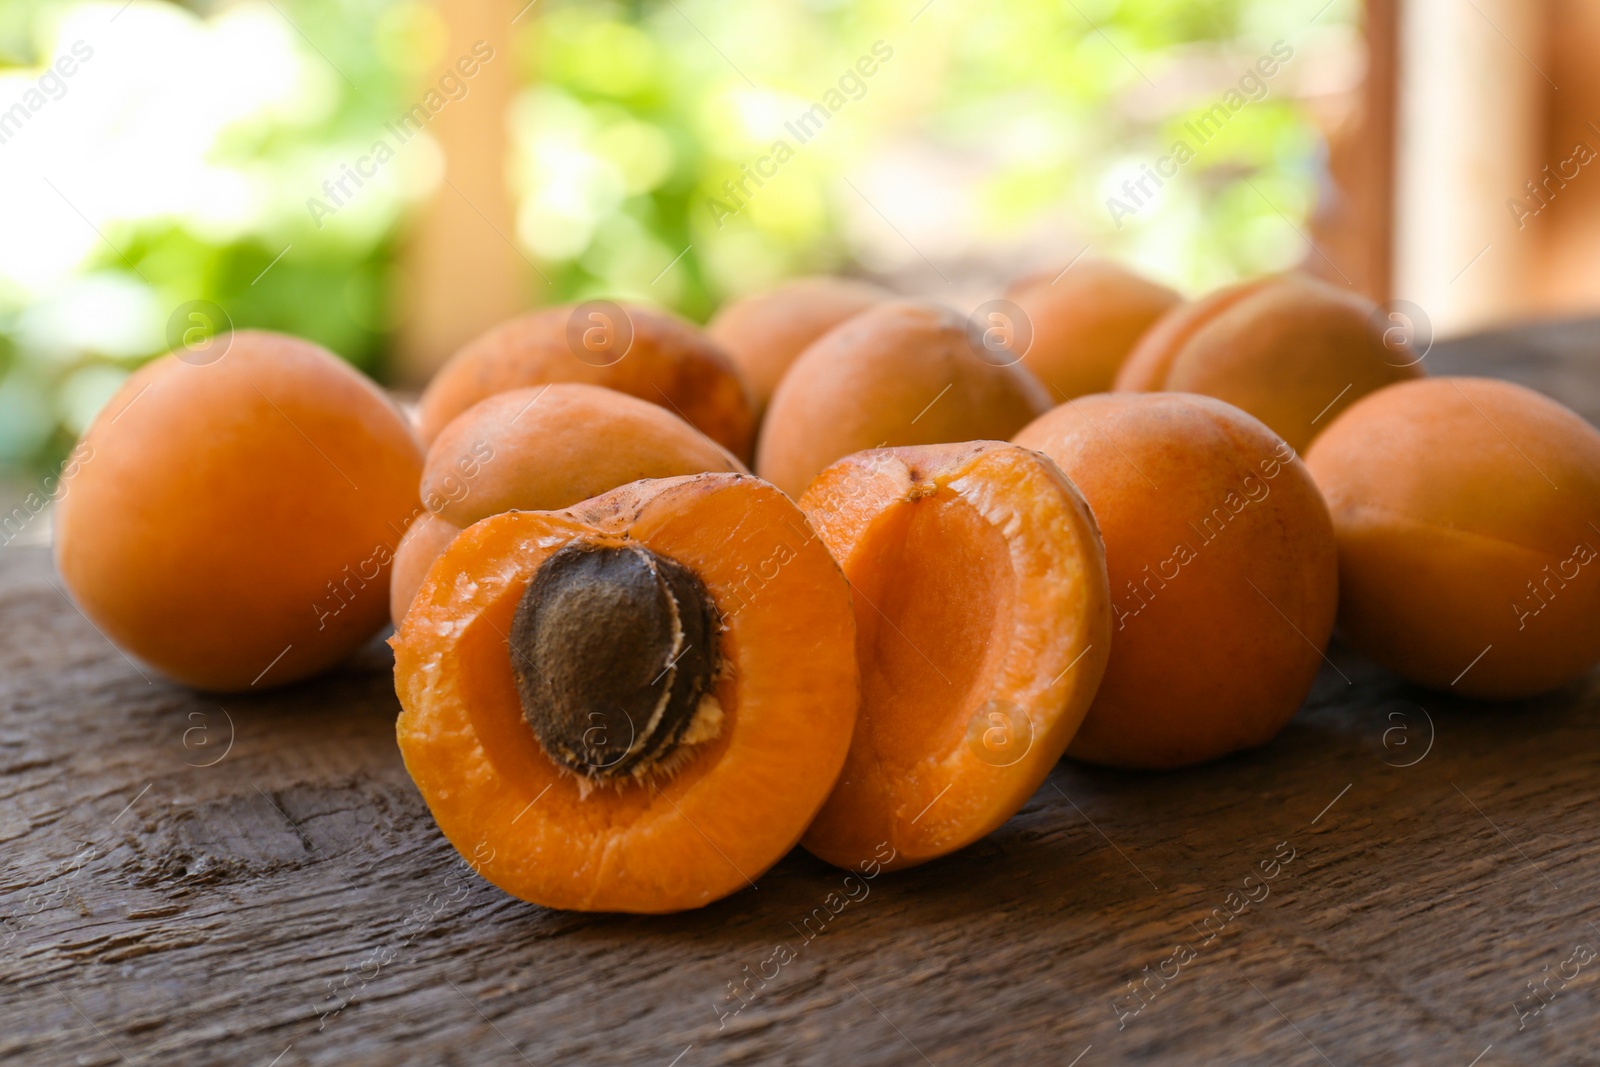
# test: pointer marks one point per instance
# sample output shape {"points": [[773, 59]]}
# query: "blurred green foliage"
{"points": [[1023, 116]]}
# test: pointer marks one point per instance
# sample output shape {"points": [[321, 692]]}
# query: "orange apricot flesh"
{"points": [[236, 524], [1291, 350], [983, 627], [727, 805], [637, 350], [1223, 574], [1468, 518]]}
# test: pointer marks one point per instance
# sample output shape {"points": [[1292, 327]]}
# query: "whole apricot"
{"points": [[637, 350], [900, 373], [236, 525], [1468, 518], [765, 332], [1085, 320], [542, 449], [1290, 350], [1223, 573]]}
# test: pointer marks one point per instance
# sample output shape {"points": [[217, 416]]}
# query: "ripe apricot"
{"points": [[1223, 573], [1085, 320], [541, 449], [1290, 350], [425, 541], [636, 704], [1468, 518], [236, 525], [641, 351], [900, 373], [766, 331], [982, 629]]}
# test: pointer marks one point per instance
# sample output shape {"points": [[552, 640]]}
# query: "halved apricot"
{"points": [[637, 704], [641, 351], [983, 624], [426, 538]]}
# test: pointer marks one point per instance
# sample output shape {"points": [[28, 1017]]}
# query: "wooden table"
{"points": [[189, 880]]}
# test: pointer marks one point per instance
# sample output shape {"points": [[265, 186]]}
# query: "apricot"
{"points": [[900, 373], [983, 625], [1468, 517], [640, 351], [1084, 322], [541, 449], [425, 541], [637, 704], [766, 331], [549, 447], [1290, 350], [236, 525], [1223, 573]]}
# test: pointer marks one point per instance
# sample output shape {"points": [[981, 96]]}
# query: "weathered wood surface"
{"points": [[188, 880]]}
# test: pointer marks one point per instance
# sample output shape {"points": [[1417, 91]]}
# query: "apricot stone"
{"points": [[765, 332], [900, 373], [1223, 573], [237, 522], [1291, 350], [1468, 518], [637, 350], [1085, 320]]}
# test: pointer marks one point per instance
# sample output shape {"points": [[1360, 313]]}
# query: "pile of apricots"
{"points": [[840, 569]]}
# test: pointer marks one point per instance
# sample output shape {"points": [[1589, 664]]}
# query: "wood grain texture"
{"points": [[156, 910]]}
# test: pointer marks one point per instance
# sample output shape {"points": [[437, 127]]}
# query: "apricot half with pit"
{"points": [[1468, 518], [982, 630], [637, 704], [1223, 573], [637, 350], [1290, 350], [236, 524], [900, 373], [1085, 319], [765, 332]]}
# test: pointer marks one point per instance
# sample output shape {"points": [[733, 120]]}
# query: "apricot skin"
{"points": [[548, 447], [765, 332], [1290, 350], [1467, 512], [238, 512], [901, 373], [424, 542], [1223, 574], [669, 362], [1085, 321]]}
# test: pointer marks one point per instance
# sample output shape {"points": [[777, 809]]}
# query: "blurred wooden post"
{"points": [[459, 271]]}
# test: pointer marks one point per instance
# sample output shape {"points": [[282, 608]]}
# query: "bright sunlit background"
{"points": [[185, 155]]}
